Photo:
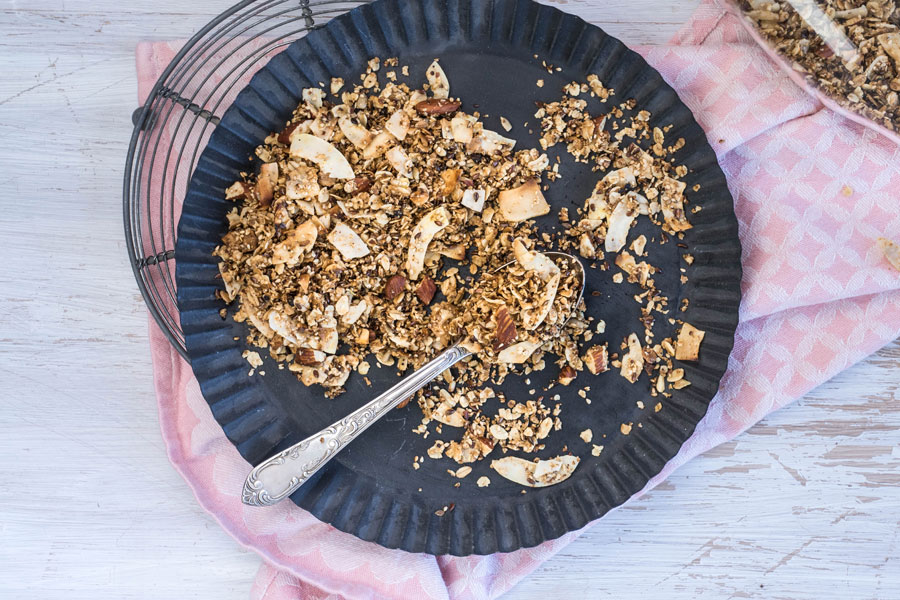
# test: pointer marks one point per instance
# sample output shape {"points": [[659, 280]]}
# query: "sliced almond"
{"points": [[523, 202], [540, 474], [422, 234], [437, 79], [308, 356], [327, 157], [347, 242]]}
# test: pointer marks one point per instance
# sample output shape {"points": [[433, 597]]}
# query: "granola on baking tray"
{"points": [[339, 252], [850, 49]]}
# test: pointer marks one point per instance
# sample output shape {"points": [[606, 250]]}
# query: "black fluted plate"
{"points": [[371, 490]]}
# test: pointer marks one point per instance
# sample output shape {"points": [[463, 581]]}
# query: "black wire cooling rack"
{"points": [[172, 128]]}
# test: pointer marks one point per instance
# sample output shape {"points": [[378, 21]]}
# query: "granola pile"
{"points": [[375, 231], [848, 48]]}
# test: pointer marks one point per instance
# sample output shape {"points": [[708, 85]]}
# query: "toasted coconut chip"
{"points": [[473, 199], [437, 79], [687, 346], [522, 203], [540, 474], [449, 416], [398, 124], [623, 215], [379, 145], [549, 272], [347, 242], [324, 339], [633, 362], [313, 96], [672, 204], [462, 128], [358, 135], [327, 157], [354, 313], [619, 177], [300, 239], [488, 142], [422, 234], [260, 323], [518, 352], [891, 251], [400, 161]]}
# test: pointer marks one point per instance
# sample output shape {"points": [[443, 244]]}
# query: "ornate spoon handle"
{"points": [[279, 476]]}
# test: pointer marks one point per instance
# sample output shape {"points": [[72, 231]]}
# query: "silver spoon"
{"points": [[278, 477]]}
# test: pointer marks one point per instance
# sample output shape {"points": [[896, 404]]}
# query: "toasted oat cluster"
{"points": [[341, 238], [385, 224], [850, 49]]}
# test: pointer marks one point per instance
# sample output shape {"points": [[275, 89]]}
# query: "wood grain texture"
{"points": [[804, 505]]}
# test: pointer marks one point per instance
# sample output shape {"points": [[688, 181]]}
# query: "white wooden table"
{"points": [[804, 505]]}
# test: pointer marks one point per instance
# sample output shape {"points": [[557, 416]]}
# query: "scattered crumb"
{"points": [[540, 83], [596, 450], [483, 481], [504, 122], [587, 435], [625, 428]]}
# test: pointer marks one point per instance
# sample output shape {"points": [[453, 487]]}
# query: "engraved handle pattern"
{"points": [[279, 476]]}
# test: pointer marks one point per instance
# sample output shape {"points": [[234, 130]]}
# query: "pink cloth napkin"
{"points": [[812, 191]]}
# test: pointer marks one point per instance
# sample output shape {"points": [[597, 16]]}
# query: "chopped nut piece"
{"points": [[336, 84], [625, 428], [587, 435], [567, 375], [596, 359], [596, 450], [687, 347], [483, 482], [505, 328], [505, 124], [426, 290], [308, 356], [395, 286]]}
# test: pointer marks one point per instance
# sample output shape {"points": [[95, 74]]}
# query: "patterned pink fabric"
{"points": [[812, 190]]}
